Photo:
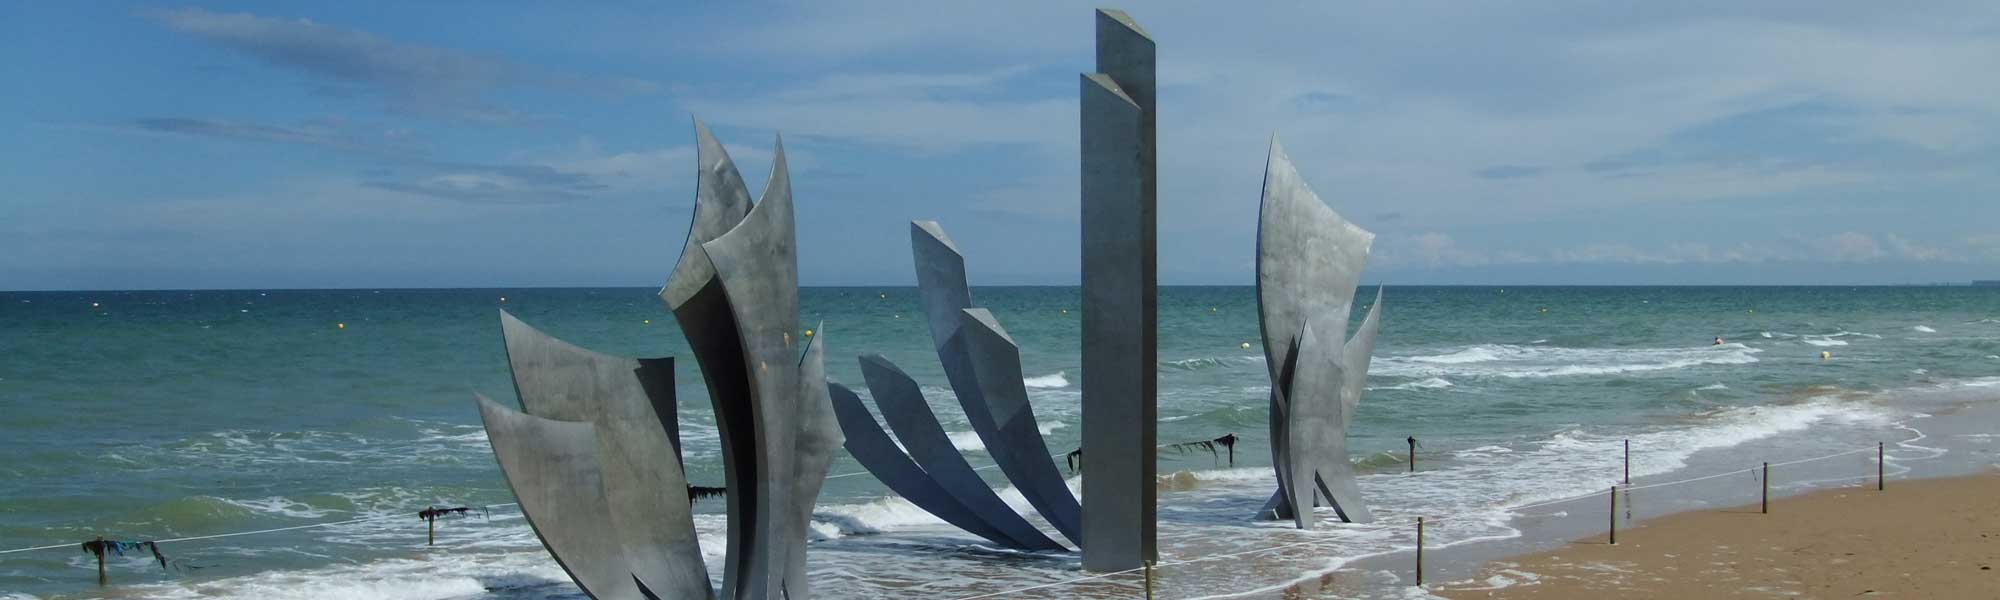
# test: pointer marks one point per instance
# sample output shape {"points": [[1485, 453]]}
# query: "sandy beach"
{"points": [[1936, 538]]}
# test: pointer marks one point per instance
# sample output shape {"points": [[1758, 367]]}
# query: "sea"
{"points": [[151, 415]]}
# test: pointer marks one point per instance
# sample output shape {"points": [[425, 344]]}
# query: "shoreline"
{"points": [[1948, 436], [1926, 538]]}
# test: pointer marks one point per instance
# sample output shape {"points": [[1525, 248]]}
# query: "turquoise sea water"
{"points": [[161, 414]]}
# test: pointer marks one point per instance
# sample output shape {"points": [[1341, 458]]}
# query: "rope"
{"points": [[244, 533]]}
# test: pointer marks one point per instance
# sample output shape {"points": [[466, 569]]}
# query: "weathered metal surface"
{"points": [[1309, 260], [818, 436], [1119, 296], [903, 406], [552, 468], [630, 404], [720, 202], [757, 263], [878, 453], [1017, 438], [695, 295], [942, 283], [604, 485]]}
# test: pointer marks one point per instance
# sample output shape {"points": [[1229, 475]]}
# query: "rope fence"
{"points": [[1149, 567]]}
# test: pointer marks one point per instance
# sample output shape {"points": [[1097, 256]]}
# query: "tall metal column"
{"points": [[1119, 298]]}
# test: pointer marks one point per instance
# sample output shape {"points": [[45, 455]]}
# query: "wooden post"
{"points": [[432, 522], [1881, 481], [1628, 461], [1767, 488], [1413, 454], [101, 581], [1149, 580], [1420, 551], [1614, 515]]}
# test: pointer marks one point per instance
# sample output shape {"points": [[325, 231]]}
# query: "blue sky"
{"points": [[501, 144]]}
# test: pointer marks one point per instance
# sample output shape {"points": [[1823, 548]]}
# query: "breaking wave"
{"points": [[1432, 383], [1515, 361], [1052, 380]]}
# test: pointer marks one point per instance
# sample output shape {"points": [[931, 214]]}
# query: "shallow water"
{"points": [[171, 414]]}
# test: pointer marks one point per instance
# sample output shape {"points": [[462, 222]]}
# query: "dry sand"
{"points": [[1937, 538]]}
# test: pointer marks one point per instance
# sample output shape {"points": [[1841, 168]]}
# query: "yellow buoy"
{"points": [[339, 325], [1823, 355], [1065, 311], [1246, 345], [885, 295], [809, 333], [1211, 309], [1545, 310], [93, 305], [899, 316], [646, 322]]}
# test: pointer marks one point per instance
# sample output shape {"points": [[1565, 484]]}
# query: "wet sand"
{"points": [[1935, 538]]}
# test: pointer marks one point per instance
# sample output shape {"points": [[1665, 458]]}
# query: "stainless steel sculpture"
{"points": [[984, 367], [877, 452], [552, 467], [1119, 295], [1308, 263], [595, 460], [630, 405], [790, 422]]}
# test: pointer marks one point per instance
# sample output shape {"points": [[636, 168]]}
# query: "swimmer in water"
{"points": [[1718, 341]]}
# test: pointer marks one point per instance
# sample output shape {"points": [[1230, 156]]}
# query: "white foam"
{"points": [[1822, 341], [1432, 383], [1052, 380], [968, 441], [1923, 329], [434, 577], [889, 513], [1514, 361], [278, 505], [1712, 387]]}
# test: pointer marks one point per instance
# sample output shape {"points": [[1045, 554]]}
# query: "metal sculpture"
{"points": [[630, 406], [984, 367], [595, 460], [1120, 402], [1309, 260]]}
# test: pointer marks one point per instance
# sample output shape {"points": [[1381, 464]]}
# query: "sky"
{"points": [[365, 144]]}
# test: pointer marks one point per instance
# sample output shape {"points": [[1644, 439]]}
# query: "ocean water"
{"points": [[163, 414]]}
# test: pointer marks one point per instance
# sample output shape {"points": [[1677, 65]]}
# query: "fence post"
{"points": [[101, 581], [1149, 580], [1614, 515], [1881, 482], [1420, 551], [432, 535], [1413, 453], [1767, 488], [1628, 461]]}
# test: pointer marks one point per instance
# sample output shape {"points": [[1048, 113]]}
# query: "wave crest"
{"points": [[1516, 361]]}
